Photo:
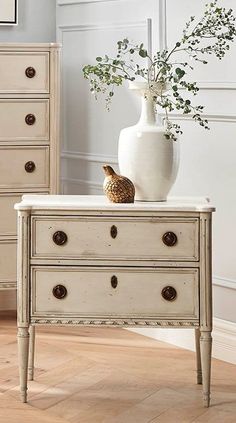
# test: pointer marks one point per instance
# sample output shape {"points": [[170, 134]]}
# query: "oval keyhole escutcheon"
{"points": [[113, 231], [114, 281]]}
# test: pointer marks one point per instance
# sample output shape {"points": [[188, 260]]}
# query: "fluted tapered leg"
{"points": [[23, 347], [206, 345], [31, 352], [198, 356]]}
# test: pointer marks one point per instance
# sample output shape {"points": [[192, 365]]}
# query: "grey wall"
{"points": [[37, 23]]}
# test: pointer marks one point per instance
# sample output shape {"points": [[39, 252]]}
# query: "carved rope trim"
{"points": [[116, 322]]}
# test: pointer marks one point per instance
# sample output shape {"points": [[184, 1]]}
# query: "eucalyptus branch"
{"points": [[216, 25]]}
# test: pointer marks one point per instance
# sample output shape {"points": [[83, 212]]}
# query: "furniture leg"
{"points": [[205, 346], [31, 352], [198, 356], [23, 346]]}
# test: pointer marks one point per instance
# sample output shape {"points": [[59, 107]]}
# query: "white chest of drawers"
{"points": [[29, 136], [85, 261]]}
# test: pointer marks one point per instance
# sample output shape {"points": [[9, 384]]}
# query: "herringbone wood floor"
{"points": [[109, 376]]}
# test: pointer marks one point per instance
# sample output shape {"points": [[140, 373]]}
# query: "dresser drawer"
{"points": [[23, 72], [7, 261], [8, 214], [114, 292], [22, 120], [116, 239], [24, 167]]}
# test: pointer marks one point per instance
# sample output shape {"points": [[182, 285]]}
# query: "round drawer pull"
{"points": [[60, 238], [30, 72], [30, 119], [169, 293], [114, 281], [169, 239], [30, 167], [59, 291], [113, 231]]}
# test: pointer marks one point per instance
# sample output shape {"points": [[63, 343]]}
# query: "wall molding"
{"points": [[162, 30], [224, 282], [210, 117], [224, 338], [109, 26], [90, 157], [82, 182], [74, 2], [217, 85]]}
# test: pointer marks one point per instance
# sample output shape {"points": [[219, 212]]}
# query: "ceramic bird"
{"points": [[117, 188]]}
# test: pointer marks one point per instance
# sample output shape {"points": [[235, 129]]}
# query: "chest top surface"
{"points": [[100, 202]]}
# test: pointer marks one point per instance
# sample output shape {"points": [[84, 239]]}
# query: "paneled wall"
{"points": [[88, 28], [208, 158]]}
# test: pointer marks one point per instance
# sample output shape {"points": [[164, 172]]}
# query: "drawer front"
{"points": [[114, 292], [8, 215], [24, 167], [22, 120], [124, 239], [24, 72], [7, 262]]}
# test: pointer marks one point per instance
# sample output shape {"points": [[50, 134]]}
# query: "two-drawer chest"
{"points": [[85, 261], [29, 136]]}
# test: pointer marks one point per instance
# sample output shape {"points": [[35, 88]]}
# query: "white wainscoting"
{"points": [[224, 338]]}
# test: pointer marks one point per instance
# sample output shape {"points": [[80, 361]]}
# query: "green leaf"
{"points": [[99, 59], [143, 53]]}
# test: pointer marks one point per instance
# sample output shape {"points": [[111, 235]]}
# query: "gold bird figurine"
{"points": [[117, 188]]}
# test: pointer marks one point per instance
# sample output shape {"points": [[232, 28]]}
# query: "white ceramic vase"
{"points": [[145, 155]]}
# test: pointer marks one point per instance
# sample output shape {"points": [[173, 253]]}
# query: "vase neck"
{"points": [[148, 115]]}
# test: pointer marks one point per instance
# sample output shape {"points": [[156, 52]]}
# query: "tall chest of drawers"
{"points": [[85, 261], [29, 136]]}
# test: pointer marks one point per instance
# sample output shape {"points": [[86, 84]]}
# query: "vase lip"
{"points": [[145, 86]]}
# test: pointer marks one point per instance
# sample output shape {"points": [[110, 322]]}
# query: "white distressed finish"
{"points": [[20, 143], [15, 111], [15, 79], [90, 299], [138, 292], [138, 239], [7, 263], [20, 179], [8, 214]]}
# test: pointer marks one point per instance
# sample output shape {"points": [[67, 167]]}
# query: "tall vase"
{"points": [[145, 155]]}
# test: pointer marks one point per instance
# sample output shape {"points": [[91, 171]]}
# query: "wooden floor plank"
{"points": [[109, 375]]}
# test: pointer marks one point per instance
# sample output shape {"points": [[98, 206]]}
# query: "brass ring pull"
{"points": [[59, 292], [169, 293], [30, 72], [30, 167], [60, 238], [169, 239], [114, 281], [113, 231], [30, 119]]}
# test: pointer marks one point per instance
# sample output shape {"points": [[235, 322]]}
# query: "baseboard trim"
{"points": [[224, 338]]}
